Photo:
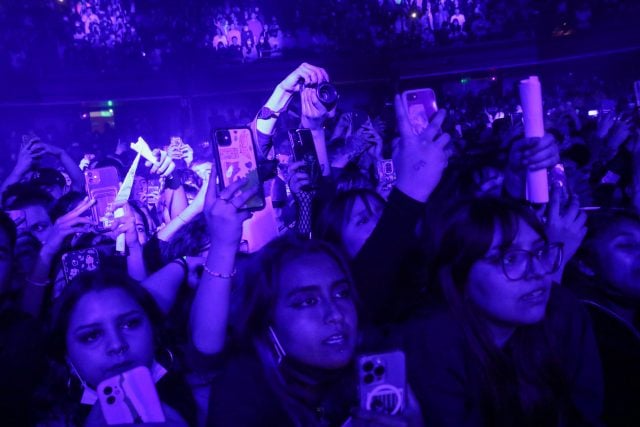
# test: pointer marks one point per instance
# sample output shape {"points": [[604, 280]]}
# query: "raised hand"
{"points": [[224, 219], [164, 165], [534, 154], [314, 113], [298, 177], [70, 223], [565, 224], [308, 74], [187, 154], [420, 159], [126, 225]]}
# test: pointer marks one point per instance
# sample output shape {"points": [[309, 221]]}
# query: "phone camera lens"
{"points": [[368, 379], [368, 366], [108, 390], [111, 400], [223, 138], [379, 370]]}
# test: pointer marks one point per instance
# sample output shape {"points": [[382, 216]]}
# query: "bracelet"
{"points": [[34, 283], [219, 275], [182, 262]]}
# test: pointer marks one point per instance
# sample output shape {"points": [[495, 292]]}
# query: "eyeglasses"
{"points": [[516, 263]]}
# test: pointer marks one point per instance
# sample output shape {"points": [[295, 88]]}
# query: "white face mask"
{"points": [[89, 395]]}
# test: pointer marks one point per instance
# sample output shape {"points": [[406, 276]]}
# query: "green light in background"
{"points": [[109, 103]]}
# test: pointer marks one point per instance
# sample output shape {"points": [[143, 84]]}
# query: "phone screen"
{"points": [[236, 160]]}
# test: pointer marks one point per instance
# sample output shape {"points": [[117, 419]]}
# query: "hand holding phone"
{"points": [[130, 397], [304, 150]]}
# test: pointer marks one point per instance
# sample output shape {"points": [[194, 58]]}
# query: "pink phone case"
{"points": [[102, 185], [237, 159], [130, 397], [421, 106]]}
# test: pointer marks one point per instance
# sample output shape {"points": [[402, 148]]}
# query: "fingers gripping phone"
{"points": [[420, 105], [130, 397], [236, 159], [382, 382], [304, 149], [102, 185]]}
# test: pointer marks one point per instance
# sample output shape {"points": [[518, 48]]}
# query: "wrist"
{"points": [[315, 125], [279, 99]]}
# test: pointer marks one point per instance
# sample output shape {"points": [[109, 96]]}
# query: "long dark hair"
{"points": [[259, 295], [592, 286], [525, 388], [335, 214], [60, 396]]}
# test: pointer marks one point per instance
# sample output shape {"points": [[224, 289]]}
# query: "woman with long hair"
{"points": [[507, 346], [101, 326]]}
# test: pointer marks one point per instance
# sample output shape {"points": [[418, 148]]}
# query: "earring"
{"points": [[73, 372], [279, 351], [168, 358]]}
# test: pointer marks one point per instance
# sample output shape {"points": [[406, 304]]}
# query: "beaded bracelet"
{"points": [[218, 275]]}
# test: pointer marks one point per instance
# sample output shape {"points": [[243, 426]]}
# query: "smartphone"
{"points": [[175, 144], [386, 173], [153, 191], [76, 262], [130, 398], [358, 119], [304, 149], [421, 106], [236, 159], [382, 382], [102, 185], [557, 176]]}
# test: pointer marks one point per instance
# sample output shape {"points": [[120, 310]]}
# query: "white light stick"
{"points": [[537, 190], [141, 147], [123, 197]]}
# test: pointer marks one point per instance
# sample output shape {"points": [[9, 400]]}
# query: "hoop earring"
{"points": [[73, 373], [277, 347], [169, 357]]}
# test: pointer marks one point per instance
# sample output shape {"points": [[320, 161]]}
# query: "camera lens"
{"points": [[379, 370], [108, 390], [327, 94], [368, 379], [111, 400], [368, 366], [223, 138]]}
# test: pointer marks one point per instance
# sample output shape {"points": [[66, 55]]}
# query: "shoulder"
{"points": [[242, 396], [434, 341], [564, 308]]}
